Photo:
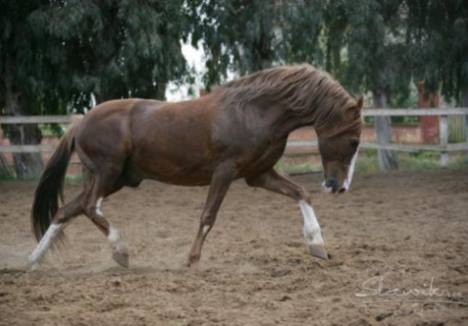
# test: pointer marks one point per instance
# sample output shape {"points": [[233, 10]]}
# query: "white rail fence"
{"points": [[444, 147]]}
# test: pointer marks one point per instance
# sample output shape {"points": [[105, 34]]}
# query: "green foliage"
{"points": [[246, 36], [58, 53], [235, 34], [437, 37], [115, 48], [375, 46]]}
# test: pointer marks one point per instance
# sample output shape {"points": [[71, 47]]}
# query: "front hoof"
{"points": [[32, 266], [121, 257], [318, 250]]}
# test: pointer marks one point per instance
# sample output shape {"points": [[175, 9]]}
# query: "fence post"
{"points": [[388, 160], [443, 139], [465, 119]]}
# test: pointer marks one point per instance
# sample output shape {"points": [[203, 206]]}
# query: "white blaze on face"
{"points": [[325, 188], [349, 176]]}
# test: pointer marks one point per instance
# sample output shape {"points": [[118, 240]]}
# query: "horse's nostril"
{"points": [[333, 184]]}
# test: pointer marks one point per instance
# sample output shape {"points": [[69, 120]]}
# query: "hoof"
{"points": [[193, 260], [121, 258], [31, 266], [318, 250]]}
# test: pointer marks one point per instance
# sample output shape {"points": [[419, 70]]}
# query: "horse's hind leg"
{"points": [[63, 215], [102, 185]]}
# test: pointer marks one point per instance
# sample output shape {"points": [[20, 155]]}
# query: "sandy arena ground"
{"points": [[399, 244]]}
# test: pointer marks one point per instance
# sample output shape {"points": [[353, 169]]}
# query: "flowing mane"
{"points": [[302, 89]]}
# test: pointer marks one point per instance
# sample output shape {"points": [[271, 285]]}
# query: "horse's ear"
{"points": [[354, 112], [359, 103]]}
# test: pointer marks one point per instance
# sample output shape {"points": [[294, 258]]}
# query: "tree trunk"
{"points": [[465, 105], [5, 170], [27, 165], [161, 90], [388, 160]]}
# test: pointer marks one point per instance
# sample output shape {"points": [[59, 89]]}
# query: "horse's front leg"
{"points": [[275, 182], [220, 182]]}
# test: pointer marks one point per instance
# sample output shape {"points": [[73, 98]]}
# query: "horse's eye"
{"points": [[354, 143]]}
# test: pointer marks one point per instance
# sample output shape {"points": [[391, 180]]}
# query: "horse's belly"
{"points": [[175, 169]]}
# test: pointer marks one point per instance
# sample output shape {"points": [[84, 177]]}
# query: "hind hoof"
{"points": [[121, 258], [318, 250], [193, 260]]}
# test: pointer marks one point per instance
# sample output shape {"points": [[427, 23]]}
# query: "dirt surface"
{"points": [[399, 244]]}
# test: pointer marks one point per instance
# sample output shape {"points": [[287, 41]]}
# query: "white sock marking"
{"points": [[98, 206], [349, 177], [115, 240], [114, 234], [312, 231], [45, 243], [206, 229]]}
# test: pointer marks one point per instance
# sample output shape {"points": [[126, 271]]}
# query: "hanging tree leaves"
{"points": [[54, 55]]}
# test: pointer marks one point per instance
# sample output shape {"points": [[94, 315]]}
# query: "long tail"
{"points": [[50, 187]]}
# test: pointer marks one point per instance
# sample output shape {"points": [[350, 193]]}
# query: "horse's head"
{"points": [[338, 145]]}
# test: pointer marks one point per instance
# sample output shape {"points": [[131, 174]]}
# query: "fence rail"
{"points": [[27, 148], [413, 112], [36, 119], [393, 147], [443, 147]]}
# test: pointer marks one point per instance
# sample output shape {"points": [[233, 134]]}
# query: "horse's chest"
{"points": [[261, 156]]}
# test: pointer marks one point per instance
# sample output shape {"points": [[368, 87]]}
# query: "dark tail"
{"points": [[50, 187]]}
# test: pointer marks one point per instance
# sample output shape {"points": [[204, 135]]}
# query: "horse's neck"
{"points": [[295, 120], [285, 121]]}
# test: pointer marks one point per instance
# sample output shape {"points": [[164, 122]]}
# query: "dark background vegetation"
{"points": [[56, 54]]}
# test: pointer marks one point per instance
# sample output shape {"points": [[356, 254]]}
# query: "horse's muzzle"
{"points": [[332, 184]]}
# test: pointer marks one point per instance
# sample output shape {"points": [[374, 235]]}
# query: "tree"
{"points": [[437, 34], [54, 55], [237, 34], [115, 49], [303, 26], [437, 38], [378, 59], [20, 87], [247, 36]]}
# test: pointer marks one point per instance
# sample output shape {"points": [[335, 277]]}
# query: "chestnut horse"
{"points": [[239, 130]]}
